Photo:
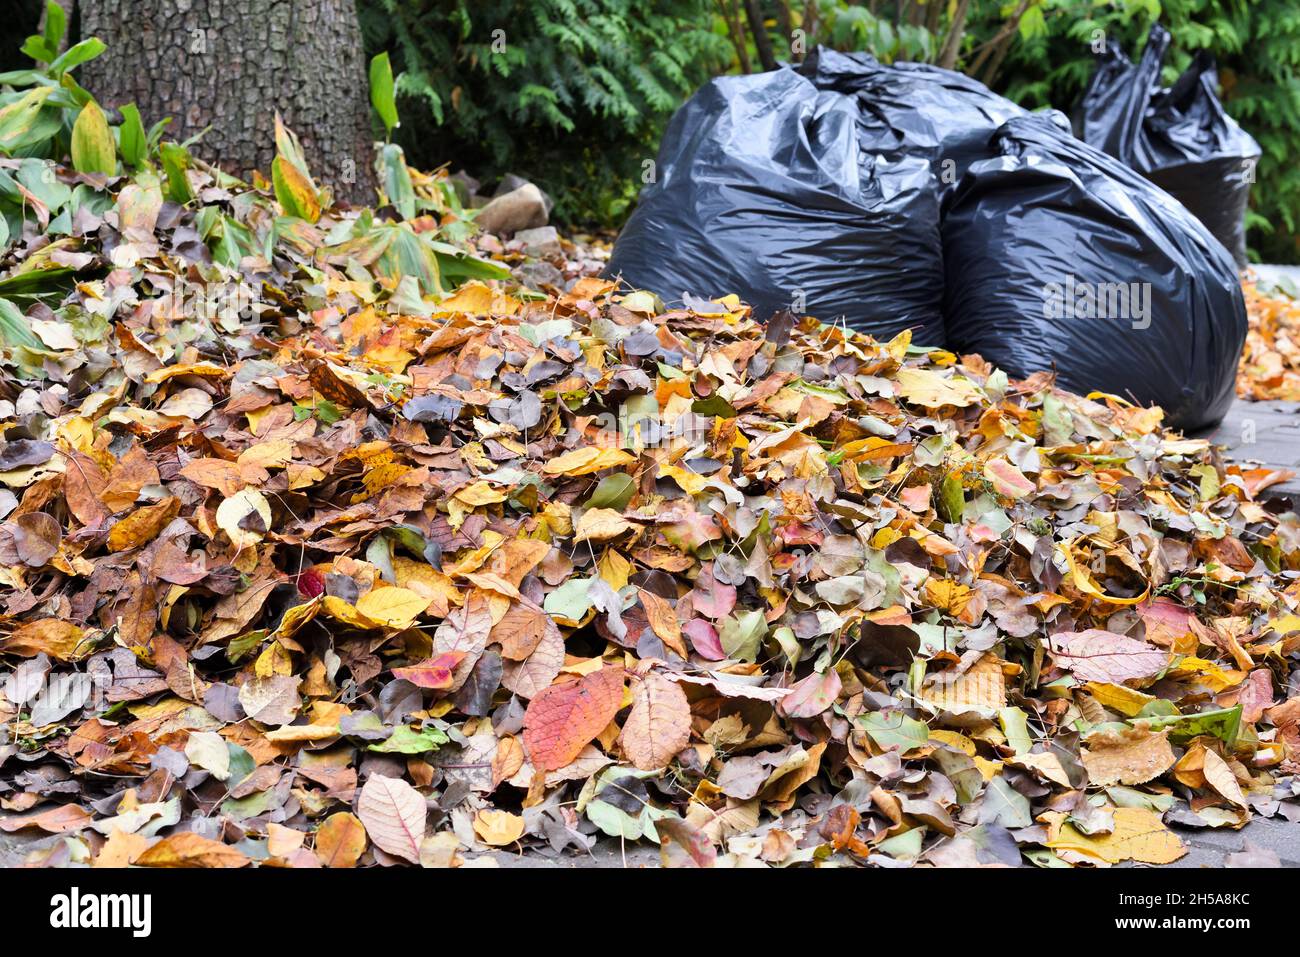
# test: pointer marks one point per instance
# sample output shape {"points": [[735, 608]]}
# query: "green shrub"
{"points": [[1257, 45], [572, 94]]}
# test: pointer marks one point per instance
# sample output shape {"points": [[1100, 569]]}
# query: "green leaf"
{"points": [[76, 55], [714, 405], [740, 635], [382, 91], [92, 142], [406, 740], [175, 161], [19, 118], [15, 330], [56, 21], [614, 491], [1223, 723], [893, 729], [570, 600], [1015, 725], [395, 178], [952, 499], [132, 141]]}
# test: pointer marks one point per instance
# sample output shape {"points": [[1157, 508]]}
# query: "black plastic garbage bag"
{"points": [[1058, 256], [1180, 137], [915, 109], [761, 190]]}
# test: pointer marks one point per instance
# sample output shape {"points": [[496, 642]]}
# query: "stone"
{"points": [[523, 208]]}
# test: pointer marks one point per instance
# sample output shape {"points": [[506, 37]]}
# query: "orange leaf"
{"points": [[340, 840], [563, 718], [188, 849]]}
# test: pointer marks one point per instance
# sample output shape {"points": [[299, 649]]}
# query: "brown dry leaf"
{"points": [[1098, 655], [61, 640], [143, 525], [1220, 777], [188, 849], [1132, 756], [55, 820], [659, 724], [601, 525], [340, 840]]}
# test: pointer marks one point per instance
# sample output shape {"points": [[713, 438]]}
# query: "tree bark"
{"points": [[230, 65], [762, 42]]}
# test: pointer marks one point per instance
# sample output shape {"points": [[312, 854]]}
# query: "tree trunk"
{"points": [[762, 42], [230, 65]]}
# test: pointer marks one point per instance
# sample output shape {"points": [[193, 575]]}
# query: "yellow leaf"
{"points": [[93, 149], [932, 390], [392, 605], [587, 460], [481, 493], [1138, 835], [601, 525], [294, 191], [238, 511], [498, 828], [1126, 701], [1083, 581]]}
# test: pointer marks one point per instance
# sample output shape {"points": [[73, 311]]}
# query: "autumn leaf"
{"points": [[340, 840], [434, 673], [562, 719], [586, 460], [498, 828], [1130, 756], [392, 606], [1137, 835], [393, 813], [1099, 655], [188, 849], [659, 724]]}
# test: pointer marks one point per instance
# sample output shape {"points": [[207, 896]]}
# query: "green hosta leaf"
{"points": [[92, 142], [18, 119], [395, 179], [175, 161], [132, 141], [382, 92], [78, 54]]}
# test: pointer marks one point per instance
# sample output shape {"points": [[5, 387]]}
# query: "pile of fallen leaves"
{"points": [[352, 569], [1270, 363]]}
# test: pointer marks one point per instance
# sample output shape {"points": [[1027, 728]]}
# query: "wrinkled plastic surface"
{"points": [[762, 190], [1029, 235], [1180, 137], [915, 109]]}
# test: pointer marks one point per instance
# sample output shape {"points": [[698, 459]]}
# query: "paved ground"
{"points": [[1267, 433]]}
